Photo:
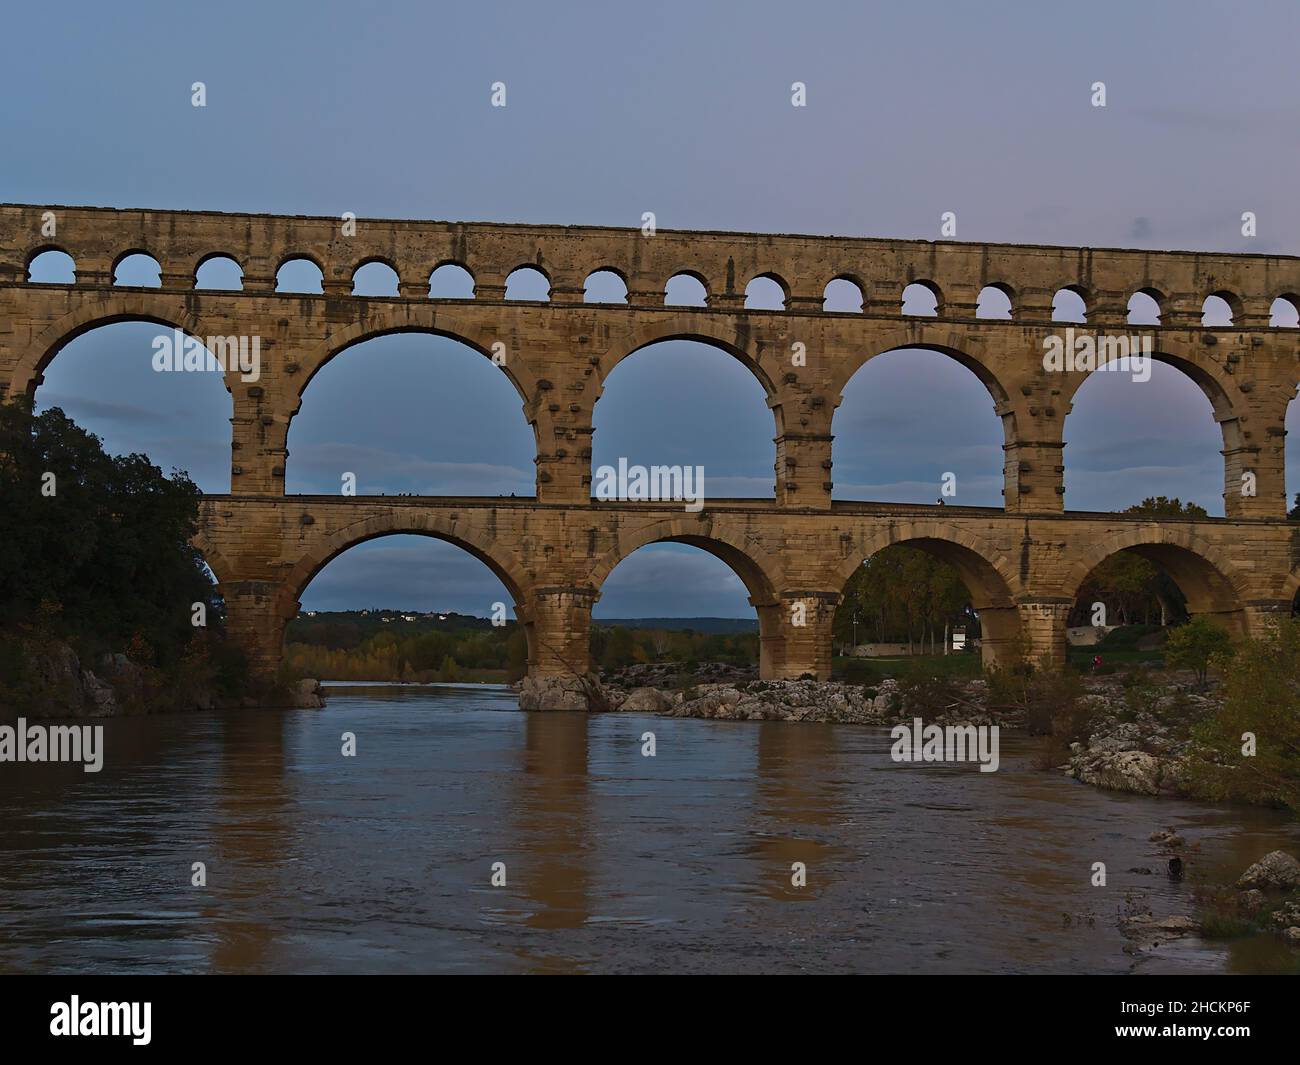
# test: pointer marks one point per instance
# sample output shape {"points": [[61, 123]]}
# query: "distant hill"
{"points": [[705, 625], [366, 623]]}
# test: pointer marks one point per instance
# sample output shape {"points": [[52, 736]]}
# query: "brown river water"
{"points": [[614, 862]]}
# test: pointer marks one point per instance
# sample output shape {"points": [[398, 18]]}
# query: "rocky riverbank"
{"points": [[1130, 732], [1139, 736], [1264, 900], [56, 683]]}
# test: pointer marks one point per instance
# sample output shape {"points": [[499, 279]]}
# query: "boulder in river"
{"points": [[307, 695], [568, 692], [1276, 869], [645, 701]]}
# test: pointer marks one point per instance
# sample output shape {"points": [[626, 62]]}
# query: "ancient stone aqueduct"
{"points": [[1023, 563]]}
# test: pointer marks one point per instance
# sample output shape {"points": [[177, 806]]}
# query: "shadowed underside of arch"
{"points": [[1210, 582], [988, 576], [212, 555]]}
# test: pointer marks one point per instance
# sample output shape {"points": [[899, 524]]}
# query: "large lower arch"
{"points": [[952, 461], [499, 559], [426, 409], [391, 322], [1211, 582], [1225, 406], [673, 403], [755, 569], [924, 336], [144, 387], [989, 576], [762, 362], [111, 309]]}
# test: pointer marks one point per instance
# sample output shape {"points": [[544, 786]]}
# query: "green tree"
{"points": [[1134, 589], [620, 651], [1195, 644], [1164, 507], [901, 595], [95, 549], [449, 670], [1249, 749]]}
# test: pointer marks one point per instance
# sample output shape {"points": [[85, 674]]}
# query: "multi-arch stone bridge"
{"points": [[1023, 563]]}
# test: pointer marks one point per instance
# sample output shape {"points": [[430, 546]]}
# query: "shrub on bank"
{"points": [[1249, 748]]}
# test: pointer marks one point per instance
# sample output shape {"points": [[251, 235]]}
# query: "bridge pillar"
{"points": [[255, 622], [795, 635], [1042, 628], [1254, 472], [1002, 638], [1033, 304], [1182, 309], [258, 444], [563, 460], [1033, 429], [1254, 481], [803, 470], [1258, 614], [1033, 474], [557, 621]]}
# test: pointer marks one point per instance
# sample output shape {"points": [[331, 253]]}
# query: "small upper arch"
{"points": [[218, 270], [1220, 308], [605, 284], [686, 288], [1285, 311], [1071, 304], [766, 292], [528, 282], [1145, 306], [844, 294], [995, 301], [451, 279], [51, 265], [298, 272], [376, 276], [922, 298], [137, 268]]}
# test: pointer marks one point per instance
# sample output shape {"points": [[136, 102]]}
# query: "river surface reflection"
{"points": [[613, 861]]}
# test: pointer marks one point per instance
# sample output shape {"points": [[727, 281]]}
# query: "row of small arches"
{"points": [[765, 292]]}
